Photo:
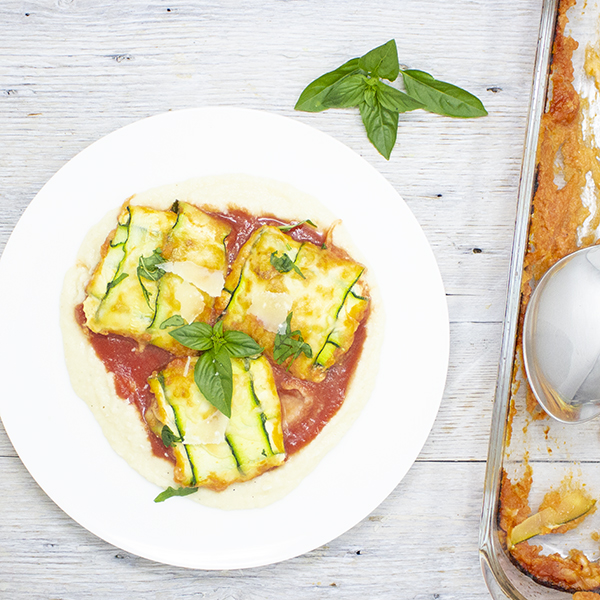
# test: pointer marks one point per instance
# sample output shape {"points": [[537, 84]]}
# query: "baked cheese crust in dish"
{"points": [[241, 254]]}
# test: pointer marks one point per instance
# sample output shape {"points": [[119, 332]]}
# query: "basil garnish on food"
{"points": [[286, 228], [359, 83], [197, 336], [148, 268], [214, 377], [174, 321], [170, 492], [116, 281], [290, 343], [284, 264], [168, 437], [213, 372]]}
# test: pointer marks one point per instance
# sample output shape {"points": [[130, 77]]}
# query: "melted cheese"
{"points": [[209, 430], [190, 300], [204, 279], [271, 309]]}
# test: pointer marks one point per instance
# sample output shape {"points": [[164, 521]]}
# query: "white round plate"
{"points": [[55, 434]]}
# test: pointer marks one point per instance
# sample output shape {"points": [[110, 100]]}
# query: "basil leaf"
{"points": [[214, 377], [284, 264], [168, 437], [347, 92], [394, 99], [311, 99], [218, 329], [381, 125], [174, 321], [286, 228], [240, 344], [441, 97], [116, 281], [197, 336], [382, 61], [148, 266], [213, 371], [148, 269], [170, 492], [222, 361], [217, 336], [370, 96], [290, 344]]}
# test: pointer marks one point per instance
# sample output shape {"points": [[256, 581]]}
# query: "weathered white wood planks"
{"points": [[417, 544]]}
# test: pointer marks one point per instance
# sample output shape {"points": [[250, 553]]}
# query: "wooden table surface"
{"points": [[71, 71]]}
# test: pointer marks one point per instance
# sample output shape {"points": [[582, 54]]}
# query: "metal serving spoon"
{"points": [[561, 338]]}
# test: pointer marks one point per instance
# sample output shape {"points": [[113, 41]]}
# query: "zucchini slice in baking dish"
{"points": [[570, 506], [157, 264], [215, 451], [319, 286]]}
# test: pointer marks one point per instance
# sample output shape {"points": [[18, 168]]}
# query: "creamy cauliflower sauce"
{"points": [[122, 422]]}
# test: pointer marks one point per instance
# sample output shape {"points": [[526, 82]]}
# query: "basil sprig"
{"points": [[359, 83], [213, 372], [290, 343]]}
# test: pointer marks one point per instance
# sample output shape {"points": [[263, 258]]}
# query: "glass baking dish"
{"points": [[557, 453]]}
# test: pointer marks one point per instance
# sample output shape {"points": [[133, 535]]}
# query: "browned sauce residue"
{"points": [[557, 208], [571, 573], [514, 500], [574, 572]]}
